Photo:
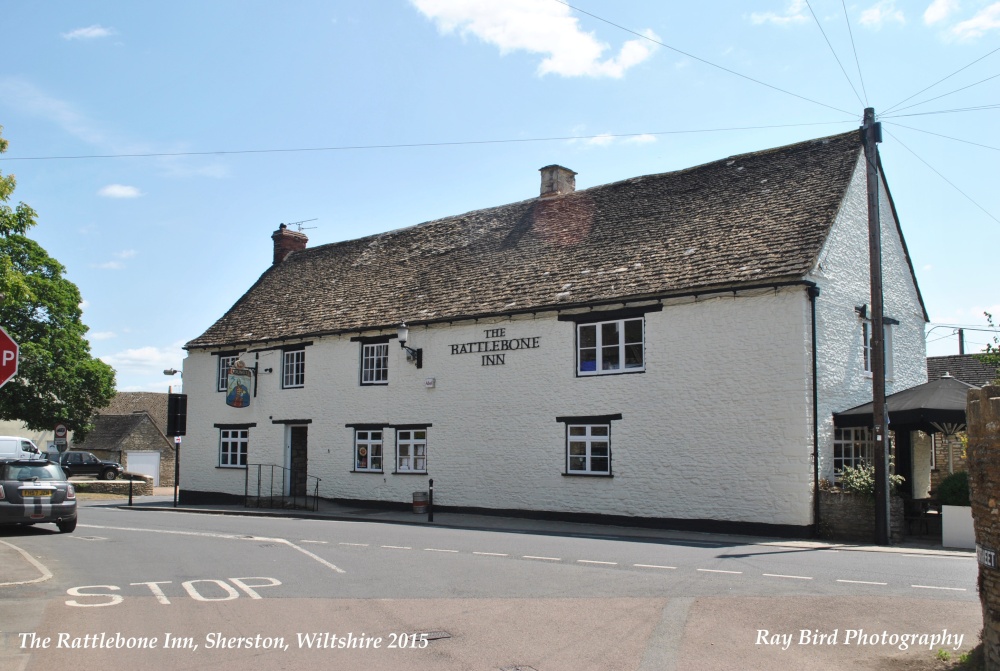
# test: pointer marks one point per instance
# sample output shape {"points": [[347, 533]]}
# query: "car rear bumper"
{"points": [[36, 513]]}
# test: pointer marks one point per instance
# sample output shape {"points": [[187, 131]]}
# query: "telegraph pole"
{"points": [[871, 135]]}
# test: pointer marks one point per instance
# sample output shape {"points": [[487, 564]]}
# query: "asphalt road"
{"points": [[175, 591]]}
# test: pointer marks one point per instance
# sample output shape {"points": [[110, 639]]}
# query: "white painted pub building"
{"points": [[646, 351]]}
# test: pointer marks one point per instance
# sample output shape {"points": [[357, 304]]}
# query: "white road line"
{"points": [[437, 550], [711, 570], [863, 582], [46, 574], [937, 557], [795, 577], [204, 534], [652, 566], [542, 558], [396, 547], [316, 542], [357, 545], [491, 554], [952, 589], [591, 561]]}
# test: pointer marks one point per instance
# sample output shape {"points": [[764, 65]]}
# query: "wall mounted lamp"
{"points": [[412, 355]]}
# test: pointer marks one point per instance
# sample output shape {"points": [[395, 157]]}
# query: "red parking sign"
{"points": [[8, 357]]}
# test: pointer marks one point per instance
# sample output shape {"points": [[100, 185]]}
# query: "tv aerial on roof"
{"points": [[299, 225]]}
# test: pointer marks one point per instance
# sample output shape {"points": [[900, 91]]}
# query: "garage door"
{"points": [[146, 463]]}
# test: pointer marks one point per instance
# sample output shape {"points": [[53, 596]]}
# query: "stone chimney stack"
{"points": [[286, 242], [557, 180]]}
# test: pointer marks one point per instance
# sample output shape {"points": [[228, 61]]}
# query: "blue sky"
{"points": [[161, 246]]}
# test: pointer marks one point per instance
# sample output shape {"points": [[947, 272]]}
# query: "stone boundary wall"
{"points": [[850, 517], [983, 413], [141, 486]]}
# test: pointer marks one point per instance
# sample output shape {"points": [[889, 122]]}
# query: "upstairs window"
{"points": [[608, 347], [866, 347], [293, 369], [226, 362], [375, 363]]}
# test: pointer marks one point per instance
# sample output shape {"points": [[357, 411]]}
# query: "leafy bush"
{"points": [[861, 480], [954, 490]]}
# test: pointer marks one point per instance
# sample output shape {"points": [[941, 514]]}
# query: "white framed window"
{"points": [[368, 450], [233, 447], [293, 368], [411, 451], [608, 347], [225, 363], [852, 447], [588, 449], [375, 363], [866, 347]]}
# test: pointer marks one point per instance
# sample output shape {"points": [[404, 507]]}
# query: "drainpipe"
{"points": [[813, 295]]}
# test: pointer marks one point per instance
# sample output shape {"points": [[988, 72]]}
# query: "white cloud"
{"points": [[939, 10], [546, 28], [796, 13], [880, 13], [645, 138], [102, 335], [119, 191], [89, 33], [606, 139], [110, 265], [126, 254], [149, 359], [27, 98], [986, 20], [84, 304]]}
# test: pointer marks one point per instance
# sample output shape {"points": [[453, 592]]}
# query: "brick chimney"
{"points": [[557, 180], [286, 242]]}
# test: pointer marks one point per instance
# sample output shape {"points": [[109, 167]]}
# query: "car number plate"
{"points": [[36, 492]]}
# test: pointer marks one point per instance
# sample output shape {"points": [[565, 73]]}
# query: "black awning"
{"points": [[928, 407]]}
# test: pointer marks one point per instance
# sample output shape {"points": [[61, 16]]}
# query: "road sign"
{"points": [[60, 433], [8, 357]]}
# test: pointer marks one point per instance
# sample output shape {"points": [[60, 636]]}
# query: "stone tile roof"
{"points": [[152, 403], [965, 367], [110, 430], [748, 219]]}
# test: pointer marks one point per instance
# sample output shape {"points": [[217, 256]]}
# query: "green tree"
{"points": [[991, 356], [57, 378]]}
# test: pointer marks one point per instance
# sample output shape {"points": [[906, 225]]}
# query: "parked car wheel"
{"points": [[67, 527], [109, 474]]}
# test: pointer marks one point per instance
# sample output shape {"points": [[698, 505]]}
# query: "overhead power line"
{"points": [[850, 32], [892, 107], [952, 184], [702, 60], [977, 108], [947, 137], [411, 145], [834, 52], [946, 94]]}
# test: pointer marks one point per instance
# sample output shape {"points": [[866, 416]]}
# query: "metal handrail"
{"points": [[266, 487]]}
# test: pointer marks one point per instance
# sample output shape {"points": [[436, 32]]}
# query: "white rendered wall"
{"points": [[843, 277], [716, 428]]}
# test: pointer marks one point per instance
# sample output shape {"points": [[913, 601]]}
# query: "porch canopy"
{"points": [[931, 407]]}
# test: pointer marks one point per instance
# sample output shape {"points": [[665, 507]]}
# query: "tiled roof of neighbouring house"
{"points": [[744, 220], [152, 403], [965, 367], [110, 430]]}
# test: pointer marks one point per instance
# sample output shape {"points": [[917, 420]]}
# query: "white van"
{"points": [[13, 447]]}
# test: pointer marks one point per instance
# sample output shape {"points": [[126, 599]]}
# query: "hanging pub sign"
{"points": [[238, 385]]}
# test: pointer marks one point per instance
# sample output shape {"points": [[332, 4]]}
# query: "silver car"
{"points": [[36, 492]]}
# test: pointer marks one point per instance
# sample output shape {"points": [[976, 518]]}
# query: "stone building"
{"points": [[646, 351], [130, 430]]}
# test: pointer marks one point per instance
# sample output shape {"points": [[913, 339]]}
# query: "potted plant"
{"points": [[956, 512]]}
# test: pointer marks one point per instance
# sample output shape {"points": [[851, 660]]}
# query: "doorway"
{"points": [[298, 460]]}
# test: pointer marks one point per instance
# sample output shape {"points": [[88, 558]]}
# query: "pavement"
{"points": [[17, 568]]}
